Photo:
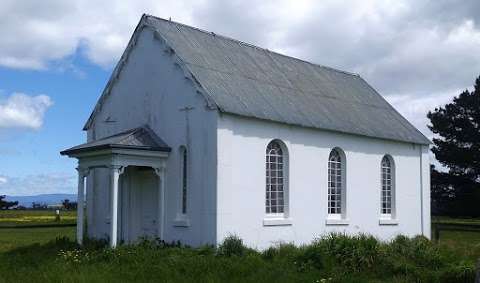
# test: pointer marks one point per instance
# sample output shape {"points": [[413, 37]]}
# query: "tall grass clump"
{"points": [[356, 253], [418, 250], [232, 246]]}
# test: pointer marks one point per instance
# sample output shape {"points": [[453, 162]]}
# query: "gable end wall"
{"points": [[152, 89]]}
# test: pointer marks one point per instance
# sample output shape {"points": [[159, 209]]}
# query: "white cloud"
{"points": [[37, 184], [36, 33], [415, 109], [417, 50], [23, 111]]}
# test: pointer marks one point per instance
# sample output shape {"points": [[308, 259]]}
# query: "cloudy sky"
{"points": [[56, 56]]}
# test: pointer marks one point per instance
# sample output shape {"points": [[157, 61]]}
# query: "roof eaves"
{"points": [[114, 146], [328, 130], [426, 141]]}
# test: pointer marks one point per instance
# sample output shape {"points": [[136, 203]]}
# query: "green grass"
{"points": [[336, 258], [461, 243], [11, 218], [14, 238], [51, 255], [450, 220]]}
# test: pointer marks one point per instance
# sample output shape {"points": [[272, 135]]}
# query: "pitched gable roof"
{"points": [[242, 79]]}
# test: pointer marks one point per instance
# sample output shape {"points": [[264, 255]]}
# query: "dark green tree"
{"points": [[6, 204], [457, 147], [68, 205]]}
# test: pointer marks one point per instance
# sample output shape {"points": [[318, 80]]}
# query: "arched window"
{"points": [[387, 179], [276, 165], [184, 180], [336, 186]]}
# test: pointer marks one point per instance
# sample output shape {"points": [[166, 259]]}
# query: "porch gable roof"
{"points": [[141, 138]]}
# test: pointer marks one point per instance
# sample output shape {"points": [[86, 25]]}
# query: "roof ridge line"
{"points": [[252, 45]]}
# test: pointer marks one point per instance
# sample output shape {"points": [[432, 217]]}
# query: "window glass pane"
{"points": [[386, 188], [335, 183], [183, 152], [274, 178]]}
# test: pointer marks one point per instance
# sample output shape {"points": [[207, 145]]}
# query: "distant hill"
{"points": [[47, 199]]}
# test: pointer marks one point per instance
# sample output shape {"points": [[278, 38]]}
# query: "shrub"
{"points": [[356, 253], [232, 246]]}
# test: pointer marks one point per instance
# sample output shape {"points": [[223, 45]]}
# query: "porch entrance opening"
{"points": [[139, 195]]}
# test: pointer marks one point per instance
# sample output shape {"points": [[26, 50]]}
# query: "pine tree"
{"points": [[457, 147]]}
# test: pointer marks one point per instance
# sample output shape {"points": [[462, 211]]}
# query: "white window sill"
{"points": [[277, 221], [337, 221], [181, 221], [386, 221]]}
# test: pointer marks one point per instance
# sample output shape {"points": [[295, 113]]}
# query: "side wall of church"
{"points": [[241, 201]]}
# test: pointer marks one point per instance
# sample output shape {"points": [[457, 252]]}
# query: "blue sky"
{"points": [[29, 153], [56, 57]]}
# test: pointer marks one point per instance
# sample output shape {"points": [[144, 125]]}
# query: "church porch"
{"points": [[136, 161]]}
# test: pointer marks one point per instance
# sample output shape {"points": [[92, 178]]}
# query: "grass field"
{"points": [[33, 255], [12, 218]]}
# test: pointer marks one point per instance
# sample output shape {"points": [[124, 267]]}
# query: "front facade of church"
{"points": [[170, 154]]}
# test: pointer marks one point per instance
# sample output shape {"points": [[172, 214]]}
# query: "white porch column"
{"points": [[115, 172], [160, 171], [82, 173]]}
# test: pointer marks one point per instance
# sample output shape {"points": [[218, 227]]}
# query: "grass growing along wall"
{"points": [[333, 258]]}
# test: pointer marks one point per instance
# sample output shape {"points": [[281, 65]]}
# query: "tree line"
{"points": [[4, 204]]}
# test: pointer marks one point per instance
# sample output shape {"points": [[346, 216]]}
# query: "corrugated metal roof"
{"points": [[142, 138], [250, 81]]}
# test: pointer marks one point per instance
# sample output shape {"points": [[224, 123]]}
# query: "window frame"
{"points": [[392, 214], [184, 180], [340, 216], [181, 219], [285, 185]]}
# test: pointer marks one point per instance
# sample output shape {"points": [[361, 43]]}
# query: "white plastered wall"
{"points": [[152, 89], [241, 183]]}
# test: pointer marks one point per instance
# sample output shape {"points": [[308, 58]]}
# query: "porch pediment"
{"points": [[138, 139], [135, 147]]}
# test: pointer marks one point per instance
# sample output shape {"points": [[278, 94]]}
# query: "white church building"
{"points": [[198, 136]]}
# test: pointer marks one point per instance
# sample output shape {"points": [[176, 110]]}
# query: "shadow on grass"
{"points": [[36, 255]]}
